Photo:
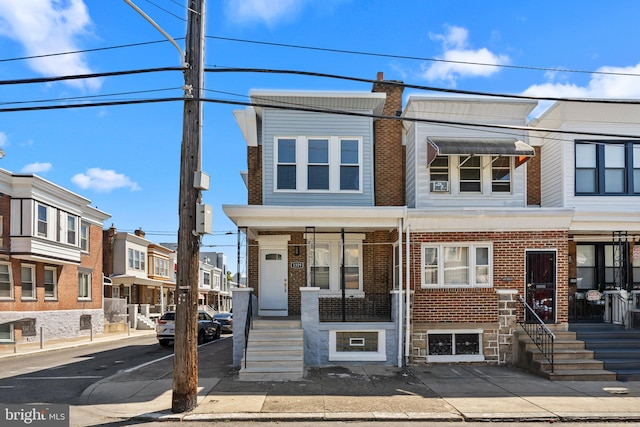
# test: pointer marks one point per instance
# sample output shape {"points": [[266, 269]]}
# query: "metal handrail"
{"points": [[538, 331], [247, 326]]}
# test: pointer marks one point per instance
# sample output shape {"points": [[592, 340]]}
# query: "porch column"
{"points": [[240, 308], [310, 319]]}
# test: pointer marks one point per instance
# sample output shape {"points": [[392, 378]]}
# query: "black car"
{"points": [[208, 328], [226, 321]]}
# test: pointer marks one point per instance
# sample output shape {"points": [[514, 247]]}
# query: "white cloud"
{"points": [[459, 61], [269, 12], [49, 26], [36, 167], [103, 180], [4, 139], [619, 83]]}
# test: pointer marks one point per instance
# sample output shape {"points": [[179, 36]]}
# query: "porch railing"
{"points": [[538, 331], [247, 326], [373, 307]]}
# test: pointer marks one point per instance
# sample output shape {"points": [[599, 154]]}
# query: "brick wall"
{"points": [[534, 197], [254, 175], [488, 308], [389, 153]]}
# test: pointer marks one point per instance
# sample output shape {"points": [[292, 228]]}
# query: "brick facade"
{"points": [[254, 175], [485, 308], [534, 194]]}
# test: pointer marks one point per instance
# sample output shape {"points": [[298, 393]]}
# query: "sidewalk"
{"points": [[362, 393]]}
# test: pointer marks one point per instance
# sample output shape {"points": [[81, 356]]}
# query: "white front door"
{"points": [[274, 287]]}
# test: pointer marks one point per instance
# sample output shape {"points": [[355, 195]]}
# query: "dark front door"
{"points": [[541, 284]]}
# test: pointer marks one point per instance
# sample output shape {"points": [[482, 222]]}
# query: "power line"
{"points": [[420, 87], [165, 10], [80, 98], [98, 49], [86, 76], [417, 58]]}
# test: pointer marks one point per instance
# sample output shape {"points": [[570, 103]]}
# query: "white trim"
{"points": [[471, 265], [358, 356]]}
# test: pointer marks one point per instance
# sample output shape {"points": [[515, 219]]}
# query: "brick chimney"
{"points": [[139, 232], [389, 153]]}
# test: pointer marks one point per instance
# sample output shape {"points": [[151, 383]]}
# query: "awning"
{"points": [[479, 147]]}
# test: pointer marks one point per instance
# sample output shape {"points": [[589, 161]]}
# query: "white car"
{"points": [[208, 328]]}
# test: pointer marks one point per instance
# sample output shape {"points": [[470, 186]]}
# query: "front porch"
{"points": [[371, 339]]}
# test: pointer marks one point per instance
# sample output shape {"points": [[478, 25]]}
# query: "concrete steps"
{"points": [[616, 347], [571, 360], [275, 351]]}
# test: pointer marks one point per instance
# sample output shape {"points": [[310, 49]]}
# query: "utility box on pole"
{"points": [[185, 364]]}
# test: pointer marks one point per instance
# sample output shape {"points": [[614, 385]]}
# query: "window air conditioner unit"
{"points": [[439, 186]]}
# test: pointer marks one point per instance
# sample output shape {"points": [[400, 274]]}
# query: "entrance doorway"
{"points": [[274, 288], [541, 284]]}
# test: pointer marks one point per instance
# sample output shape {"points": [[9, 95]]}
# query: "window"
{"points": [[6, 332], [50, 283], [6, 284], [27, 280], [136, 259], [161, 267], [42, 221], [206, 279], [357, 346], [459, 346], [501, 174], [607, 168], [349, 165], [325, 260], [286, 167], [456, 265], [71, 230], [84, 286], [439, 172], [84, 237], [318, 163], [470, 175]]}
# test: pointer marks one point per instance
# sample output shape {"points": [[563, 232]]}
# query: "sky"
{"points": [[126, 159]]}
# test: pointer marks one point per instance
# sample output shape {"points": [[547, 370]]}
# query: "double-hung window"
{"points": [[501, 174], [72, 222], [470, 174], [607, 168], [318, 164], [84, 237], [28, 281], [84, 286], [453, 265], [286, 164], [328, 256], [50, 283], [42, 220], [6, 282]]}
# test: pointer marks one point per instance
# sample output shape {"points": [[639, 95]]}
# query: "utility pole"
{"points": [[185, 364]]}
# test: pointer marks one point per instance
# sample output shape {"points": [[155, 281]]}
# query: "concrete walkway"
{"points": [[473, 392]]}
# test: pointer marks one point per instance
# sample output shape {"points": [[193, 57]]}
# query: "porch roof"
{"points": [[328, 218], [124, 279]]}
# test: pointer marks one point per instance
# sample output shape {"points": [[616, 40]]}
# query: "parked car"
{"points": [[208, 328], [226, 321]]}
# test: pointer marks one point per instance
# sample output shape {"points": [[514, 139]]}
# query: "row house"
{"points": [[421, 234], [51, 274], [214, 289], [141, 276]]}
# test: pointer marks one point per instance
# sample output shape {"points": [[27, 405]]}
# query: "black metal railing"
{"points": [[538, 331], [247, 326], [370, 308]]}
